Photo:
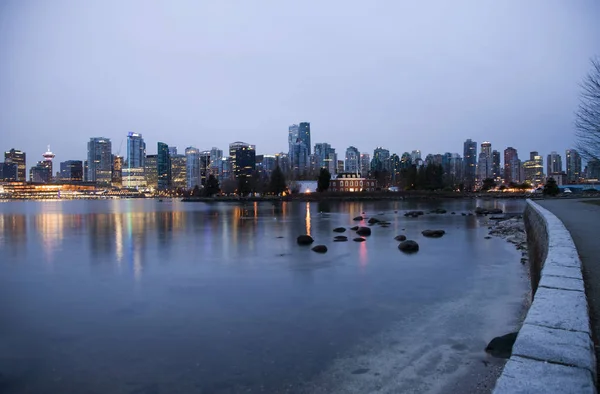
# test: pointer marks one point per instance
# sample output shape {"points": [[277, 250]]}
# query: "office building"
{"points": [[71, 171], [192, 170], [40, 173], [484, 164], [205, 166], [151, 172], [117, 171], [415, 156], [573, 165], [100, 161], [496, 168], [48, 157], [470, 164], [8, 172], [553, 164], [135, 177], [20, 159], [534, 169], [511, 158], [340, 167], [216, 156], [304, 135], [243, 159], [163, 166], [365, 164], [381, 160], [136, 150], [172, 151], [178, 172], [352, 164]]}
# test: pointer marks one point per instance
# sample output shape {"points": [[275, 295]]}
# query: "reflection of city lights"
{"points": [[362, 254], [119, 238], [307, 218]]}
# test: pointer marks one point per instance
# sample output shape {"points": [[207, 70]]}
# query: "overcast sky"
{"points": [[399, 74]]}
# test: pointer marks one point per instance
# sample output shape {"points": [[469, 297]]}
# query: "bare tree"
{"points": [[587, 122]]}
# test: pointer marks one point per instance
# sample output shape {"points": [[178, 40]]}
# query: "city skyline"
{"points": [[411, 78]]}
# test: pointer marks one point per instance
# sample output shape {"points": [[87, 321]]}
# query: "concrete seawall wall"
{"points": [[554, 352]]}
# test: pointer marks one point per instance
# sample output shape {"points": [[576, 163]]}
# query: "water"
{"points": [[141, 296]]}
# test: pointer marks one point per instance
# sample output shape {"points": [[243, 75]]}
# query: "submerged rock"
{"points": [[373, 221], [409, 246], [320, 249], [339, 229], [339, 238], [433, 233], [502, 346], [359, 239], [304, 240], [400, 237], [363, 231], [354, 228], [358, 218], [413, 214]]}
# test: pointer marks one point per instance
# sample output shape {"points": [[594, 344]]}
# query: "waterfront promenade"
{"points": [[582, 219]]}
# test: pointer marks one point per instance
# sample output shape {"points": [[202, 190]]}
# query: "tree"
{"points": [[277, 184], [488, 183], [587, 121], [244, 185], [551, 188], [212, 186], [323, 180], [196, 191]]}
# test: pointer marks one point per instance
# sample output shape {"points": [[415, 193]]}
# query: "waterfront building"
{"points": [[117, 171], [135, 177], [511, 158], [151, 172], [573, 160], [100, 161], [8, 172], [553, 164], [71, 171], [351, 182], [178, 172], [365, 163], [163, 166], [136, 150], [20, 159], [352, 164], [192, 170], [243, 159], [470, 163], [40, 173]]}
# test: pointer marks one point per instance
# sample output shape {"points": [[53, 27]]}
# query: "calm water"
{"points": [[141, 296]]}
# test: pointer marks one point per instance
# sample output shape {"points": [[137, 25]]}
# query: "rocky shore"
{"points": [[513, 231]]}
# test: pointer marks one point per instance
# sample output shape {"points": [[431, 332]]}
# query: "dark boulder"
{"points": [[439, 211], [373, 221], [433, 233], [502, 346], [340, 238], [339, 229], [400, 237], [320, 249], [409, 246], [305, 240], [358, 218], [359, 239], [354, 228], [487, 237], [452, 213], [363, 231], [495, 211], [413, 214]]}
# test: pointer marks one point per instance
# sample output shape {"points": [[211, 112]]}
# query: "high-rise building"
{"points": [[381, 159], [163, 166], [352, 164], [510, 158], [322, 151], [135, 177], [172, 151], [40, 173], [269, 162], [117, 171], [216, 156], [395, 167], [406, 160], [178, 171], [496, 169], [415, 156], [192, 170], [365, 164], [592, 170], [534, 169], [484, 164], [205, 166], [470, 163], [300, 159], [151, 172], [8, 172], [283, 160], [20, 159], [243, 159], [304, 135], [573, 165], [71, 171], [553, 164], [48, 157], [100, 161], [136, 150], [340, 167]]}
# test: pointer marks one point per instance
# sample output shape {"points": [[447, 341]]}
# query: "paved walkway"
{"points": [[582, 219]]}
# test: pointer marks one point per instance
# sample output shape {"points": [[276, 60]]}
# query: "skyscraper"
{"points": [[496, 174], [381, 159], [243, 159], [470, 163], [484, 164], [216, 160], [48, 157], [136, 150], [178, 172], [304, 134], [205, 166], [8, 172], [534, 169], [20, 159], [553, 164], [573, 165], [151, 171], [510, 160], [365, 164], [415, 156], [117, 171], [192, 167], [100, 161], [352, 163], [163, 167]]}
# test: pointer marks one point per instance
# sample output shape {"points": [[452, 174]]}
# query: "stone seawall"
{"points": [[554, 352]]}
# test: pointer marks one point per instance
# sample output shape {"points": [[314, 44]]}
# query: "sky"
{"points": [[399, 74]]}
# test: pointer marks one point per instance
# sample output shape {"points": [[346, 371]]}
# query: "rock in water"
{"points": [[363, 231], [400, 237], [502, 346], [305, 240], [340, 238], [409, 246], [433, 233], [320, 249], [359, 239], [373, 221], [354, 228], [339, 229], [358, 218]]}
